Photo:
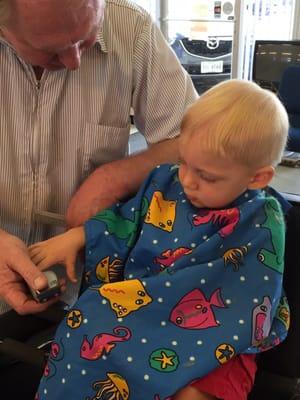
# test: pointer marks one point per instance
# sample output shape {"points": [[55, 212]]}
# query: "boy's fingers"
{"points": [[70, 267]]}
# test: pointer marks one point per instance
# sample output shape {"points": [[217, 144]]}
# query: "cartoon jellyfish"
{"points": [[113, 388]]}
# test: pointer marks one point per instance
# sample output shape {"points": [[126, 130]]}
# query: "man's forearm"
{"points": [[117, 180], [129, 173]]}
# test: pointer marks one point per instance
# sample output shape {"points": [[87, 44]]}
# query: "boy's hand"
{"points": [[61, 249]]}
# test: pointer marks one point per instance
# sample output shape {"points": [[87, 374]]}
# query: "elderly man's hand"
{"points": [[16, 269]]}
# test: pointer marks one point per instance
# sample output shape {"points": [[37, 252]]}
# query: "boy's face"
{"points": [[209, 181]]}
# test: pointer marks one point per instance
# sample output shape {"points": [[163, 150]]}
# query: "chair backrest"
{"points": [[289, 93]]}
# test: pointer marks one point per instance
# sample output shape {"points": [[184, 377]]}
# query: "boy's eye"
{"points": [[207, 178]]}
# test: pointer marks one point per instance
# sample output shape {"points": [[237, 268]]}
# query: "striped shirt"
{"points": [[55, 131]]}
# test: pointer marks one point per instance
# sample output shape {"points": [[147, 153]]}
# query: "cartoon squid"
{"points": [[113, 388], [235, 256]]}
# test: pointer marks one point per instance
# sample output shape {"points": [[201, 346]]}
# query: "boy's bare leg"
{"points": [[190, 393]]}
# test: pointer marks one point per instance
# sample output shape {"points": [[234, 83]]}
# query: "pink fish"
{"points": [[226, 219], [103, 343], [193, 311]]}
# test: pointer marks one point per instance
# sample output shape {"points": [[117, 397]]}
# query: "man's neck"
{"points": [[38, 72]]}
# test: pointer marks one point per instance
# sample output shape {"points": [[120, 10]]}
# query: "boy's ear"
{"points": [[261, 178]]}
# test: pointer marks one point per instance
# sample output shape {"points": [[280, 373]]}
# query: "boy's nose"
{"points": [[188, 180]]}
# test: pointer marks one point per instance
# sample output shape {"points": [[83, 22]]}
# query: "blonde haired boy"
{"points": [[187, 275]]}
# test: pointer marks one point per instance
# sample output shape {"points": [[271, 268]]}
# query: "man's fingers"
{"points": [[29, 272], [24, 303]]}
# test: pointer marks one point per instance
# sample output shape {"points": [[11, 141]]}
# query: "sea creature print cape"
{"points": [[171, 292]]}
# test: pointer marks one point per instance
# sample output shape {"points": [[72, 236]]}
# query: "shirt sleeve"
{"points": [[162, 88]]}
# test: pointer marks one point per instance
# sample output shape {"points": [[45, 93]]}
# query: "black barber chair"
{"points": [[278, 375]]}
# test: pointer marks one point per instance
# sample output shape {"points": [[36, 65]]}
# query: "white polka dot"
{"points": [[160, 299], [68, 335], [85, 321], [192, 358], [210, 264], [132, 260], [69, 366], [249, 244], [45, 391], [181, 193], [202, 281], [163, 323], [155, 241], [106, 233], [199, 342], [172, 265], [241, 321], [63, 380], [255, 300], [183, 201], [228, 301], [176, 240], [142, 232], [174, 343], [144, 283], [246, 195], [120, 319], [83, 372], [273, 333], [129, 359], [158, 166], [193, 244], [222, 245], [266, 278], [257, 225], [193, 259], [204, 237], [130, 276], [104, 301], [144, 340], [250, 201], [242, 278], [207, 239], [146, 377], [90, 252], [104, 357], [132, 209], [168, 284], [235, 337], [148, 268], [116, 255]]}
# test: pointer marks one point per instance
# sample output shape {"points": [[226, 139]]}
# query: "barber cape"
{"points": [[172, 292]]}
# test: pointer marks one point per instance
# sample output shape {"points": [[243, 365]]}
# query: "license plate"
{"points": [[211, 67]]}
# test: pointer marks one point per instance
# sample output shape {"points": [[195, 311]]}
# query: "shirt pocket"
{"points": [[102, 144]]}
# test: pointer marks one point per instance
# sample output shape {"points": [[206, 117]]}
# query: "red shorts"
{"points": [[231, 381]]}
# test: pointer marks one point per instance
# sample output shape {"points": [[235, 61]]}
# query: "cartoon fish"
{"points": [[261, 321], [193, 311], [169, 256], [103, 343], [226, 219]]}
